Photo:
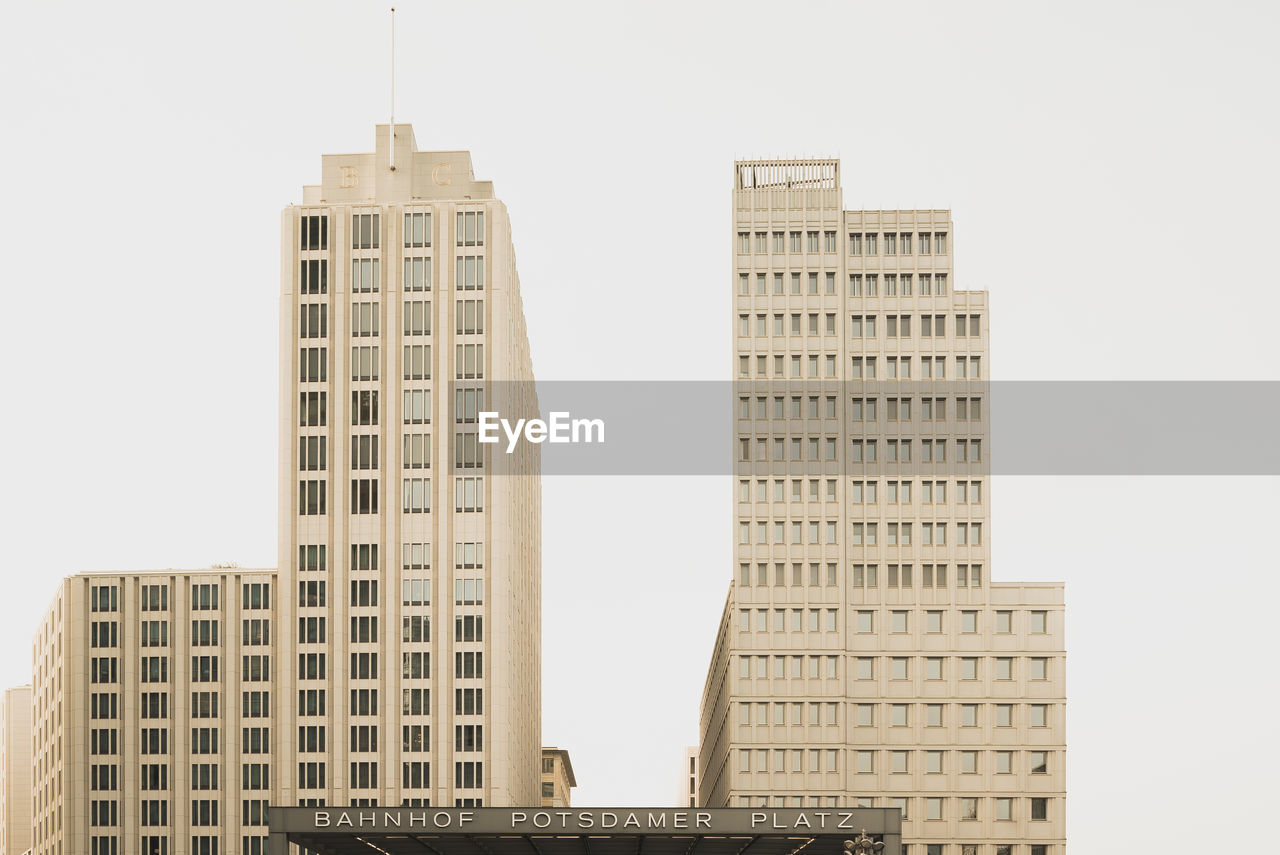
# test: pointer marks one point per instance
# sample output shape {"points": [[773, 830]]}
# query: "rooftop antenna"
{"points": [[391, 131]]}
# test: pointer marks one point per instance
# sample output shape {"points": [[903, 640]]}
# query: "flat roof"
{"points": [[581, 831]]}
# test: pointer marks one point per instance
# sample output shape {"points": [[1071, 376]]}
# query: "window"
{"points": [[1039, 715], [417, 274], [154, 598], [1004, 715], [365, 275], [1039, 809], [417, 451], [417, 406], [364, 231], [1039, 668], [1004, 762], [469, 273], [968, 621], [313, 232], [469, 315], [313, 365], [313, 321], [364, 363], [417, 230], [204, 597], [1004, 668], [103, 634], [1004, 808], [1004, 619], [968, 808], [470, 228], [1039, 762], [311, 409], [364, 495], [469, 362], [311, 630], [364, 556], [313, 277], [468, 775], [468, 494], [364, 629], [1039, 622], [417, 362], [255, 632], [866, 762], [933, 810], [364, 319], [364, 592], [311, 594]]}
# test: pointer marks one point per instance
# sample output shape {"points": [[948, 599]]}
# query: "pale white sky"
{"points": [[1112, 172]]}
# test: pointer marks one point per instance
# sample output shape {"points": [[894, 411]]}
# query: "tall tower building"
{"points": [[865, 657], [394, 657], [409, 557]]}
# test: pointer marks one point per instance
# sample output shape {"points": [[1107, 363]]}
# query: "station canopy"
{"points": [[585, 831]]}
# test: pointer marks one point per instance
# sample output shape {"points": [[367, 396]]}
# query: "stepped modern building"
{"points": [[394, 657], [865, 655]]}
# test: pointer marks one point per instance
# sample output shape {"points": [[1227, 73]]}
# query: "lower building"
{"points": [[15, 772], [687, 794], [952, 712], [153, 702], [557, 777]]}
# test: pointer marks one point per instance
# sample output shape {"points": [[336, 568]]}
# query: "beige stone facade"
{"points": [[557, 778], [15, 772], [865, 657], [400, 308], [395, 657]]}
